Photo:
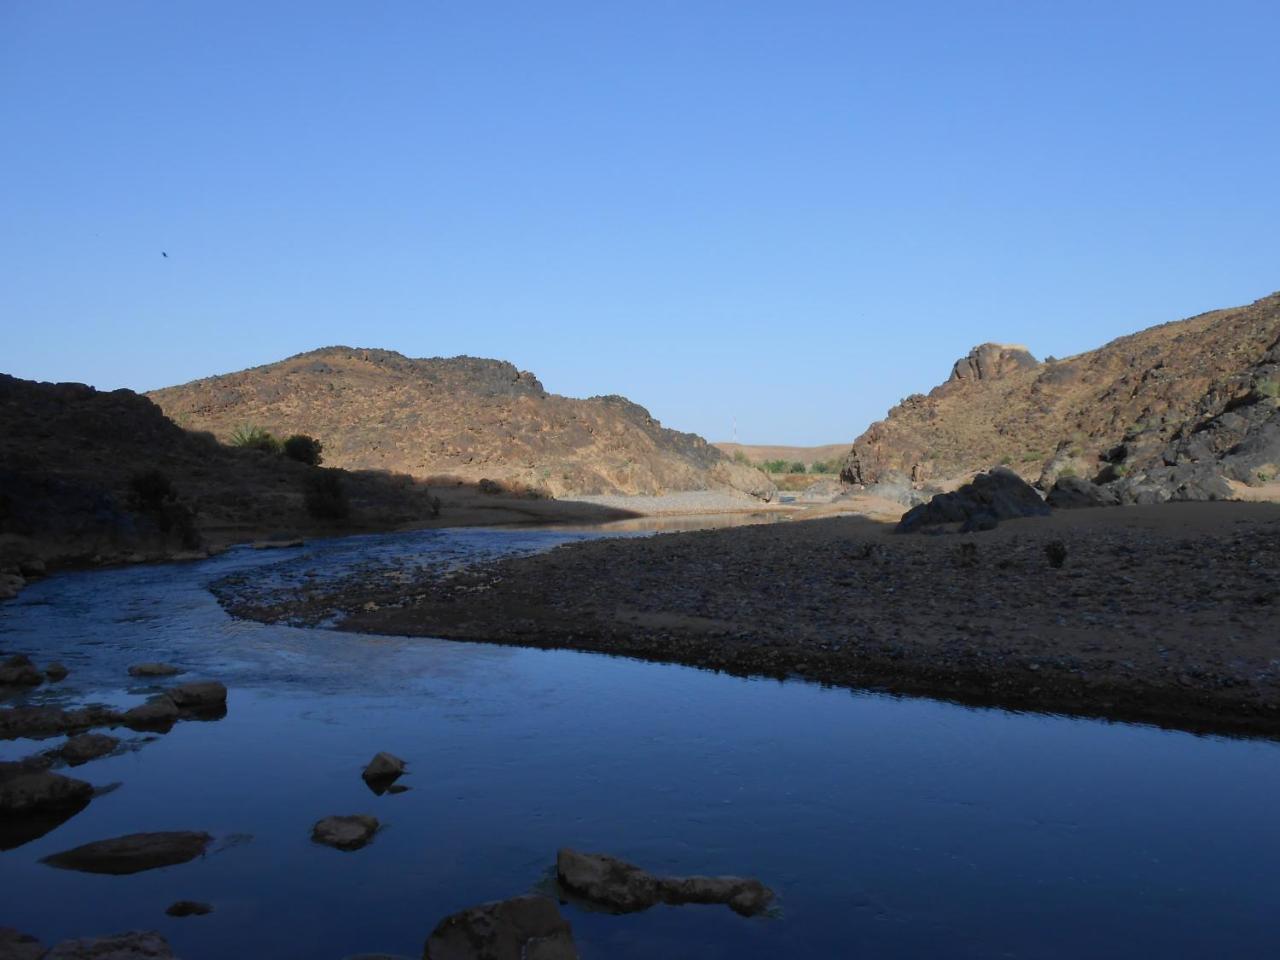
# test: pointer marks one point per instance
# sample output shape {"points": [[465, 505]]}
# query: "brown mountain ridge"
{"points": [[462, 417], [1184, 410]]}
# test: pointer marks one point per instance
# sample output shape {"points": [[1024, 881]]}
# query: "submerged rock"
{"points": [[522, 928], [188, 908], [133, 853], [154, 670], [349, 832], [16, 945], [382, 771], [56, 671], [158, 713], [208, 695], [87, 746], [19, 671], [134, 945], [625, 888]]}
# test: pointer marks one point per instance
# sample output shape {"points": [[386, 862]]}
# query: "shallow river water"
{"points": [[889, 827]]}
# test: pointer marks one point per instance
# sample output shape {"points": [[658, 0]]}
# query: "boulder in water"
{"points": [[133, 853], [350, 832], [522, 928]]}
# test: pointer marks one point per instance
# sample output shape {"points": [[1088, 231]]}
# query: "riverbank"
{"points": [[1164, 613]]}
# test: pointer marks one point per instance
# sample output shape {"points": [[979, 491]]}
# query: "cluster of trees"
{"points": [[795, 466]]}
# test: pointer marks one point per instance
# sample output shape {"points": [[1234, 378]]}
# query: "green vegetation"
{"points": [[304, 449], [254, 438], [740, 456], [774, 466], [1268, 388], [823, 466], [325, 497]]}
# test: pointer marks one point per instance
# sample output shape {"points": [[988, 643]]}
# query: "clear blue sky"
{"points": [[791, 214]]}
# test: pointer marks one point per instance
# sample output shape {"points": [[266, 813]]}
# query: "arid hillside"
{"points": [[1175, 411], [88, 476], [463, 417]]}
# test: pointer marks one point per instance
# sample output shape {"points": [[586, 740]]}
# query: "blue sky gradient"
{"points": [[785, 214]]}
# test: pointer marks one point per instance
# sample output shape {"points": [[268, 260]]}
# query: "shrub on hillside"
{"points": [[304, 449], [254, 438], [795, 467], [325, 497]]}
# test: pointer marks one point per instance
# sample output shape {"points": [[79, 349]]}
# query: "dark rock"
{"points": [[607, 881], [26, 790], [19, 671], [15, 945], [188, 908], [522, 928], [997, 495], [133, 853], [345, 832], [154, 670], [1070, 493], [382, 772], [45, 721], [198, 696], [990, 361], [56, 671], [135, 945], [158, 713], [87, 746], [744, 895]]}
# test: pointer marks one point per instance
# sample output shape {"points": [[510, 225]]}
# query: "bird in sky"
{"points": [[163, 254]]}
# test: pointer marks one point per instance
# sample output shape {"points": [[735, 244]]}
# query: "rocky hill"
{"points": [[1176, 411], [88, 476], [464, 418], [833, 453]]}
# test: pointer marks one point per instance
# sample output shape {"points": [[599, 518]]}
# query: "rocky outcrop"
{"points": [[988, 361], [978, 505], [622, 887], [1185, 402], [349, 832], [522, 928], [1071, 493], [133, 853], [464, 418], [16, 945]]}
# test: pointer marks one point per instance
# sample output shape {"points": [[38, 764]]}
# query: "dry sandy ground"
{"points": [[1167, 613]]}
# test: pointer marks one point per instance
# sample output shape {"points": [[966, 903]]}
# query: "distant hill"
{"points": [[833, 453], [464, 418], [1170, 412]]}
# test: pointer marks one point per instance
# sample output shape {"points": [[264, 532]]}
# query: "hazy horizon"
{"points": [[786, 219]]}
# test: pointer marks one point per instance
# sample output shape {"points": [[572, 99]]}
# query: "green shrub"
{"points": [[254, 438], [1268, 388], [304, 449], [325, 496], [740, 457], [795, 467], [822, 466], [775, 466]]}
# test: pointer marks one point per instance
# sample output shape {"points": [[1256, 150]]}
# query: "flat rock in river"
{"points": [[349, 832], [133, 853], [84, 747], [24, 790], [522, 928], [623, 887], [198, 696]]}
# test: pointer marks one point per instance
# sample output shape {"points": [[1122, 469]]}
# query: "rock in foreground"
{"points": [[133, 853], [625, 888], [87, 746], [382, 771], [979, 505], [147, 945], [522, 928], [24, 790], [349, 832]]}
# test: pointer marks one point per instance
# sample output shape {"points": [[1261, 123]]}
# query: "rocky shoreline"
{"points": [[1162, 614]]}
